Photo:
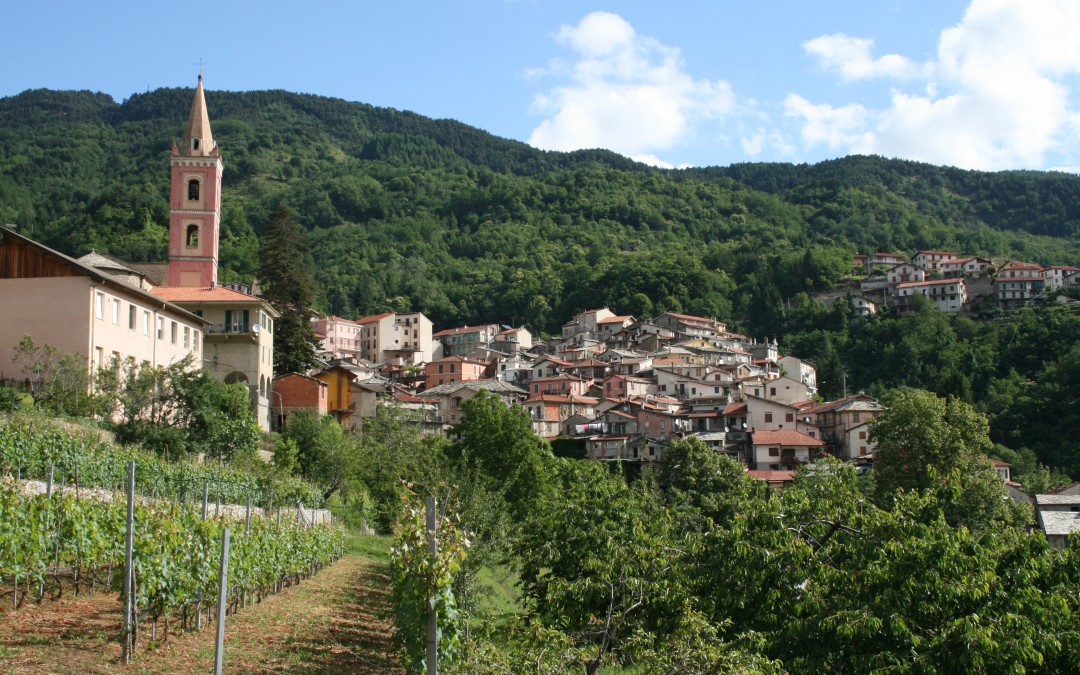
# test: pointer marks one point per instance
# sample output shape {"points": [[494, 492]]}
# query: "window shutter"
{"points": [[228, 320], [245, 320]]}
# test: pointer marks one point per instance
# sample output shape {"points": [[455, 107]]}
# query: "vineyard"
{"points": [[57, 543]]}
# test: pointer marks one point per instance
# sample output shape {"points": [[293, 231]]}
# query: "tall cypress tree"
{"points": [[289, 285]]}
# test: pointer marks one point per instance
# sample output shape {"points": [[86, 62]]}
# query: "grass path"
{"points": [[338, 622]]}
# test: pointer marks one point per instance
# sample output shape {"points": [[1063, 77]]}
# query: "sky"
{"points": [[978, 84]]}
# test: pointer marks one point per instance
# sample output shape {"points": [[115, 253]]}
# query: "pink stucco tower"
{"points": [[195, 201]]}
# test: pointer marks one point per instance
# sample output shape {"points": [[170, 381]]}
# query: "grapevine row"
{"points": [[29, 445], [45, 540]]}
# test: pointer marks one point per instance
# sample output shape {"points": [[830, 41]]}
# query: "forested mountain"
{"points": [[406, 212]]}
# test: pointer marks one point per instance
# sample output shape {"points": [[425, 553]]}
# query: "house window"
{"points": [[768, 417], [789, 417], [99, 306], [774, 452], [857, 416], [145, 322], [172, 332], [194, 144], [862, 435], [772, 391], [131, 317], [193, 185], [195, 340], [160, 328], [862, 450], [116, 311], [191, 239], [187, 336]]}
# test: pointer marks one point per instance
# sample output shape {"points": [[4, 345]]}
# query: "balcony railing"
{"points": [[219, 328]]}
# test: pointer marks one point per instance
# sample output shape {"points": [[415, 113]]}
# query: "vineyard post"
{"points": [[223, 587], [129, 600], [205, 497], [247, 516], [433, 625], [217, 506], [48, 483]]}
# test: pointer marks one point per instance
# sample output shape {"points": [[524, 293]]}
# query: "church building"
{"points": [[239, 339]]}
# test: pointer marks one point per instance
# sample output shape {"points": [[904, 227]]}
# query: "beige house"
{"points": [[844, 424], [513, 340], [239, 341], [785, 449], [1017, 284], [79, 309], [462, 341], [904, 273], [948, 295], [932, 261], [396, 339], [586, 323], [450, 397]]}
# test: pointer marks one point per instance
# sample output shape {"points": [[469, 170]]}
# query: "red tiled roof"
{"points": [[374, 318], [554, 398], [1018, 265], [936, 253], [559, 378], [785, 437], [462, 329], [201, 294], [338, 319]]}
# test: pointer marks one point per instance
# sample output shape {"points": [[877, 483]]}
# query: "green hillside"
{"points": [[404, 210]]}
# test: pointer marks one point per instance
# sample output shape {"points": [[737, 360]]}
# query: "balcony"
{"points": [[225, 330]]}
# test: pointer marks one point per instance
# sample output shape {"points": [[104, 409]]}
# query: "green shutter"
{"points": [[228, 320], [245, 320]]}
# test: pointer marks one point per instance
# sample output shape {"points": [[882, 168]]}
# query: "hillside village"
{"points": [[610, 387]]}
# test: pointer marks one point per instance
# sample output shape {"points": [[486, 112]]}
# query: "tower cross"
{"points": [[200, 63]]}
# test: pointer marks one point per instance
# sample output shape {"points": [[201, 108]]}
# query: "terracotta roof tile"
{"points": [[201, 294], [785, 437]]}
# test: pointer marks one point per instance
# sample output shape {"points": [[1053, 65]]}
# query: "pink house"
{"points": [[78, 309]]}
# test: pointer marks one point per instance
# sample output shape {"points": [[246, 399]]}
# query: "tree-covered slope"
{"points": [[406, 211]]}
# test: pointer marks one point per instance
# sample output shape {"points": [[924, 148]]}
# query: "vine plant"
{"points": [[422, 581]]}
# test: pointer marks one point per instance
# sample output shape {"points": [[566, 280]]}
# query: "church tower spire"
{"points": [[198, 141], [195, 201]]}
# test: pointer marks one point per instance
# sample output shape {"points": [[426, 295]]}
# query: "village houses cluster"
{"points": [[954, 283], [616, 387]]}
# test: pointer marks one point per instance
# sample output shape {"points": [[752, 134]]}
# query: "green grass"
{"points": [[498, 595], [373, 546]]}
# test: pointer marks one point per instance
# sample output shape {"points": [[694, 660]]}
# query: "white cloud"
{"points": [[995, 97], [624, 92], [850, 56]]}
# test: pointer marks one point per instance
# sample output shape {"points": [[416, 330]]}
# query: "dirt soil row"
{"points": [[338, 622]]}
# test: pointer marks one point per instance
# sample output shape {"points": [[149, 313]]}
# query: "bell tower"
{"points": [[194, 201]]}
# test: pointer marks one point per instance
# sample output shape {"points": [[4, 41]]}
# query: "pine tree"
{"points": [[285, 272]]}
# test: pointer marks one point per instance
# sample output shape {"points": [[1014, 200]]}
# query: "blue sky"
{"points": [[983, 84]]}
